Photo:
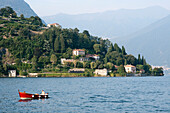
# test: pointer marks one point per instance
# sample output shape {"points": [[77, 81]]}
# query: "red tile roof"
{"points": [[78, 50], [54, 24], [129, 66]]}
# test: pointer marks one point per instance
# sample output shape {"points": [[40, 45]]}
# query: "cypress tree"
{"points": [[111, 48], [123, 51], [62, 41], [57, 45], [143, 61], [116, 48], [139, 59], [125, 62]]}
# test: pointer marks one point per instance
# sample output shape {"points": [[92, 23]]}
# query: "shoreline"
{"points": [[79, 75]]}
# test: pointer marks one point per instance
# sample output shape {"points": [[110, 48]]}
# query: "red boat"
{"points": [[24, 95]]}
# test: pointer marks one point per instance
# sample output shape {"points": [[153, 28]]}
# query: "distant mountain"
{"points": [[20, 6], [152, 41], [111, 23]]}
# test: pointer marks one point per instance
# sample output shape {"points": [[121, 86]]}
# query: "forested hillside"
{"points": [[27, 46]]}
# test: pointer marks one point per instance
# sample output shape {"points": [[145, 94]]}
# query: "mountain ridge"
{"points": [[20, 6], [152, 41], [110, 23]]}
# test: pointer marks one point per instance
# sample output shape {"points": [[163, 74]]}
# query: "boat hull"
{"points": [[25, 96]]}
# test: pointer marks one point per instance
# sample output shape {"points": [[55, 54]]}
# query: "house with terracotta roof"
{"points": [[130, 69], [54, 25], [78, 52]]}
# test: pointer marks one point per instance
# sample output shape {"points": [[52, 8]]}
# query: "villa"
{"points": [[12, 73], [54, 25], [102, 72], [130, 69], [78, 52], [96, 57]]}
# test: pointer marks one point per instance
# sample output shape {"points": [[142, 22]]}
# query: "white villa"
{"points": [[54, 25], [96, 57], [12, 73], [102, 72], [78, 52], [130, 69]]}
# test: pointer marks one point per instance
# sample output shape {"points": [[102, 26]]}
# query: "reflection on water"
{"points": [[24, 100], [144, 94], [29, 100]]}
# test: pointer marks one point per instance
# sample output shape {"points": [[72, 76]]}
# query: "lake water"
{"points": [[80, 95]]}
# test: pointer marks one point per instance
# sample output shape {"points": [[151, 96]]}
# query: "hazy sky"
{"points": [[52, 7]]}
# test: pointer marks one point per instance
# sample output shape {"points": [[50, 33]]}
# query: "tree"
{"points": [[131, 60], [62, 41], [68, 53], [18, 62], [100, 66], [158, 71], [97, 48], [147, 68], [98, 63], [1, 69], [46, 47], [93, 65], [36, 20], [7, 12], [143, 61], [76, 30], [34, 63], [139, 59], [139, 67], [110, 66], [116, 48], [22, 17], [79, 65], [123, 51], [43, 60], [37, 52], [121, 70], [125, 62], [14, 15], [24, 32], [119, 61], [57, 45], [106, 59], [53, 59], [86, 33], [111, 48], [86, 65]]}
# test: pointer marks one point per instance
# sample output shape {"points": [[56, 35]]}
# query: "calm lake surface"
{"points": [[101, 95]]}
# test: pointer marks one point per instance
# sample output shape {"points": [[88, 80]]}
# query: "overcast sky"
{"points": [[52, 7]]}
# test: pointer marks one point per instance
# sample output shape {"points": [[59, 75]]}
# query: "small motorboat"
{"points": [[24, 95]]}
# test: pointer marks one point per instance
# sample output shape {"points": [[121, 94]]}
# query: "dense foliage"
{"points": [[26, 46]]}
